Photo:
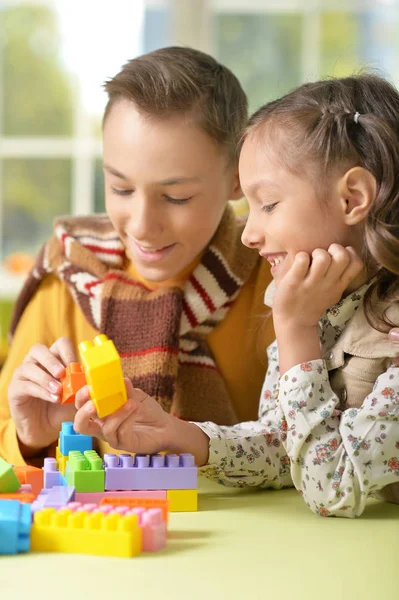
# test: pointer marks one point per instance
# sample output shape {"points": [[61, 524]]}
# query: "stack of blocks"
{"points": [[135, 492]]}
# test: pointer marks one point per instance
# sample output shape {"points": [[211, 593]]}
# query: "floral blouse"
{"points": [[335, 459]]}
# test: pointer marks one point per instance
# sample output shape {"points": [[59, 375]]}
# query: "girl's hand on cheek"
{"points": [[140, 426], [313, 284]]}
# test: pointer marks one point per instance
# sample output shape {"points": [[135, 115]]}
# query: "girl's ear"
{"points": [[236, 191], [357, 189]]}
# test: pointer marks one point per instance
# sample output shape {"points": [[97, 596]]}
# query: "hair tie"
{"points": [[356, 117]]}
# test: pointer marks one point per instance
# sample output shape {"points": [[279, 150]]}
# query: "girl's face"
{"points": [[285, 215], [166, 187]]}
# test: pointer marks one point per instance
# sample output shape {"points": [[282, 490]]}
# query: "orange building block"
{"points": [[73, 380], [25, 497], [162, 503], [30, 475]]}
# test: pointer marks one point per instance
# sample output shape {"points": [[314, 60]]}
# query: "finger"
{"points": [[135, 394], [299, 269], [64, 350], [115, 424], [22, 389], [340, 260], [82, 396], [394, 335], [321, 261], [355, 267], [31, 372], [86, 421], [43, 356]]}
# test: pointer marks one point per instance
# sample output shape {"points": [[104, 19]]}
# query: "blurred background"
{"points": [[55, 55]]}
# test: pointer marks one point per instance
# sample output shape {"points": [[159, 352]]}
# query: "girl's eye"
{"points": [[121, 192], [268, 208], [177, 200]]}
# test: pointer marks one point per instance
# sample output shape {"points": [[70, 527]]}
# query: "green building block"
{"points": [[9, 482], [85, 471]]}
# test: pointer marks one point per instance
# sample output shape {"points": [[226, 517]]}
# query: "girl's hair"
{"points": [[184, 81], [337, 124]]}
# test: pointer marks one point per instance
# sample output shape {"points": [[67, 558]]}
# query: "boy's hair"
{"points": [[321, 135], [177, 80]]}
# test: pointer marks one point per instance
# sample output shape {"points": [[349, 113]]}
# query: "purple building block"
{"points": [[56, 497], [155, 472], [52, 476]]}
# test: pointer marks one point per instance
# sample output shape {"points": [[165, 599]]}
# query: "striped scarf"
{"points": [[159, 334]]}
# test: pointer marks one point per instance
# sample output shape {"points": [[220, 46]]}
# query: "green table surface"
{"points": [[240, 544]]}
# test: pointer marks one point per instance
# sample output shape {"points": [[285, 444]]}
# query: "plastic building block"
{"points": [[97, 497], [30, 475], [70, 440], [24, 494], [61, 460], [182, 500], [57, 497], [155, 472], [73, 380], [82, 532], [104, 375], [52, 477], [151, 521], [9, 482], [147, 503], [15, 523], [85, 471]]}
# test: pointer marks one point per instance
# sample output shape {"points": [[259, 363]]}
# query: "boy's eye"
{"points": [[269, 207], [121, 192], [177, 200]]}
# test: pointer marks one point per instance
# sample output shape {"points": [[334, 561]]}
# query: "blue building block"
{"points": [[70, 440], [15, 523]]}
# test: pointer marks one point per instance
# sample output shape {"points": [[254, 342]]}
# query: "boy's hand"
{"points": [[140, 426], [35, 392], [313, 284]]}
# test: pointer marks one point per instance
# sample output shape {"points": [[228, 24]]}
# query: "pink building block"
{"points": [[96, 497], [155, 472]]}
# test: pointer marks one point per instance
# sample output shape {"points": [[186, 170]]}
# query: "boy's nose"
{"points": [[145, 222]]}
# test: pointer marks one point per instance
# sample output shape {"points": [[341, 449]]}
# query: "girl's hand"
{"points": [[140, 426], [313, 284], [35, 392]]}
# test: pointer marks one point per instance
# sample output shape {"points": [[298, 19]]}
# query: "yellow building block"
{"points": [[82, 532], [182, 500], [61, 460], [104, 375]]}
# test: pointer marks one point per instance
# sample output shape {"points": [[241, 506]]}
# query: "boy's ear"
{"points": [[357, 190], [236, 191]]}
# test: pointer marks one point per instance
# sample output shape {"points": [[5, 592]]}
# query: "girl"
{"points": [[164, 273], [320, 170]]}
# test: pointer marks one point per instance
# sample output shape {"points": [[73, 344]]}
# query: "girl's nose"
{"points": [[250, 237]]}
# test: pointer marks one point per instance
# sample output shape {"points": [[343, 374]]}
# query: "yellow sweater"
{"points": [[238, 344]]}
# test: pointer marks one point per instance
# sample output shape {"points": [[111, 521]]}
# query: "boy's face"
{"points": [[166, 187]]}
